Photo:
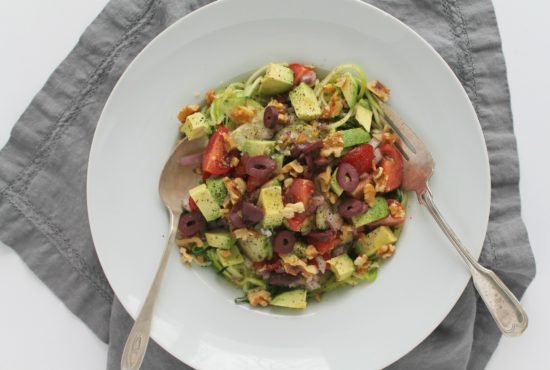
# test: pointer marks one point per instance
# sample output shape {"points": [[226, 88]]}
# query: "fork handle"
{"points": [[505, 308]]}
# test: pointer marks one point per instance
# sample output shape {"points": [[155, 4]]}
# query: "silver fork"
{"points": [[418, 167]]}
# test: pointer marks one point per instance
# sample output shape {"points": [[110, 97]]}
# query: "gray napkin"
{"points": [[43, 170]]}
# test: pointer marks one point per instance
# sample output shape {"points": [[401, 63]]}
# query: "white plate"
{"points": [[365, 327]]}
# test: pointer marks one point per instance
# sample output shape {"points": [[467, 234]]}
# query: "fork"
{"points": [[418, 166]]}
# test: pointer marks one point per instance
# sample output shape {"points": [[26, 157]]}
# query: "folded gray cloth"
{"points": [[43, 170]]}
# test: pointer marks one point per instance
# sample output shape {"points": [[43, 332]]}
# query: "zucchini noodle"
{"points": [[333, 126], [250, 89], [375, 107], [255, 75], [342, 68]]}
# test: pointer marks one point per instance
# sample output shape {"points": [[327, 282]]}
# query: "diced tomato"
{"points": [[360, 157], [214, 161], [270, 265], [300, 190], [192, 205], [392, 163], [295, 223], [299, 71], [325, 246]]}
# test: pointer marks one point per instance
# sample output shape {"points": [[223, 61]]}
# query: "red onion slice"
{"points": [[374, 142], [321, 264], [191, 159], [334, 221], [377, 156]]}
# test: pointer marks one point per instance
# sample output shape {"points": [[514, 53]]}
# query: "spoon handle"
{"points": [[138, 339], [506, 310]]}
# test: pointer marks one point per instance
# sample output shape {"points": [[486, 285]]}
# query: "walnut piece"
{"points": [[210, 96], [369, 194], [386, 251], [287, 182], [379, 89], [259, 297], [329, 89], [185, 257], [294, 266], [235, 188], [389, 136], [334, 107], [291, 209], [187, 111], [346, 233], [188, 242], [333, 144], [241, 114], [380, 180], [244, 233], [294, 168], [323, 180], [397, 210], [311, 252], [361, 264]]}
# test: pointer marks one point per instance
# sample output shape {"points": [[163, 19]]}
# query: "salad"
{"points": [[301, 183]]}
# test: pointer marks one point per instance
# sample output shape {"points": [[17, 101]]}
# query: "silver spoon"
{"points": [[175, 181]]}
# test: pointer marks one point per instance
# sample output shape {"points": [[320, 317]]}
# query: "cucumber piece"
{"points": [[219, 239], [321, 215], [334, 185], [234, 258]]}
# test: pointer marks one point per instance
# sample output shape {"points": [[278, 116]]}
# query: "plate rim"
{"points": [[220, 3]]}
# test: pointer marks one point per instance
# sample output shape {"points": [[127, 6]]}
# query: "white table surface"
{"points": [[38, 332]]}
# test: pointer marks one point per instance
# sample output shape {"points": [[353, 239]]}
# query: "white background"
{"points": [[38, 332]]}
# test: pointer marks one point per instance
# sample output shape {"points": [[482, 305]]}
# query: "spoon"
{"points": [[175, 182]]}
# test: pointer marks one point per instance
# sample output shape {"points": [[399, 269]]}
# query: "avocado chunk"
{"points": [[364, 117], [354, 136], [291, 299], [349, 88], [257, 248], [196, 125], [342, 266], [376, 212], [208, 206], [272, 182], [258, 147], [234, 258], [219, 239], [369, 243], [271, 201], [217, 189], [305, 102], [277, 79], [334, 185], [299, 249]]}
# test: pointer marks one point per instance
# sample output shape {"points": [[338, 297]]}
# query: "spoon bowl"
{"points": [[174, 184]]}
